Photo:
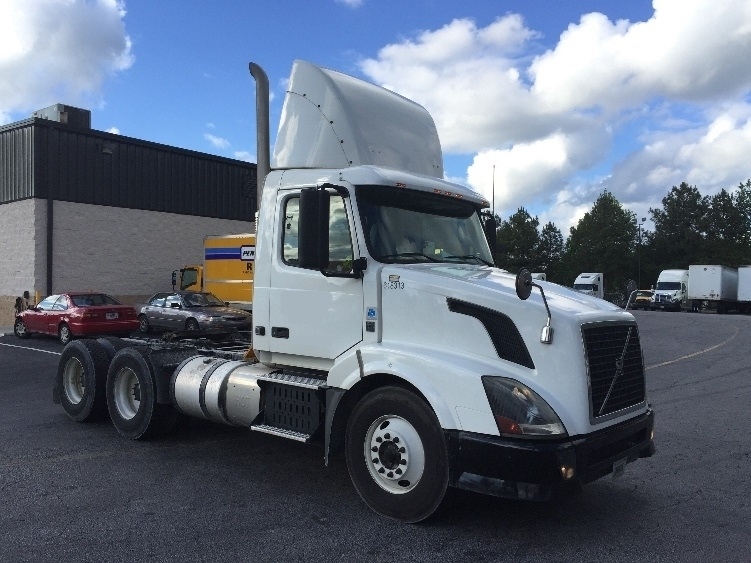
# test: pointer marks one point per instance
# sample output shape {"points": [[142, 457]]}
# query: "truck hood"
{"points": [[434, 310], [495, 289]]}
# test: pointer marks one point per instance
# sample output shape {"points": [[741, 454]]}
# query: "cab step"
{"points": [[294, 406], [283, 432]]}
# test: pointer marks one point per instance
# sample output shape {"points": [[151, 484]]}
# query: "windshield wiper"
{"points": [[408, 255], [466, 257]]}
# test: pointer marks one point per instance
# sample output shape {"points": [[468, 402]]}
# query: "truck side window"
{"points": [[290, 232], [340, 238], [341, 254]]}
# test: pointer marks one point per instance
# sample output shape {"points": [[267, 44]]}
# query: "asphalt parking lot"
{"points": [[80, 492]]}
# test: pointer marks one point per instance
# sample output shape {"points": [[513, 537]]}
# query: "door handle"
{"points": [[279, 332]]}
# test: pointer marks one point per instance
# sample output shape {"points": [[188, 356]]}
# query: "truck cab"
{"points": [[374, 278], [671, 291], [590, 284]]}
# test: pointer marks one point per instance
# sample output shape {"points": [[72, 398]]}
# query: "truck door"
{"points": [[311, 314]]}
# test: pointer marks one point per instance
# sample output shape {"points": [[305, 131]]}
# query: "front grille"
{"points": [[616, 369]]}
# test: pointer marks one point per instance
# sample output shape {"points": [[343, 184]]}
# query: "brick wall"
{"points": [[124, 252]]}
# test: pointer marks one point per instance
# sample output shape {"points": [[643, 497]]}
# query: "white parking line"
{"points": [[687, 356], [28, 348]]}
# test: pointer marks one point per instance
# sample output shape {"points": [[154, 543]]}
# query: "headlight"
{"points": [[520, 411]]}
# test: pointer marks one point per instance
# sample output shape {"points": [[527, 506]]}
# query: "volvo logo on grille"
{"points": [[619, 362]]}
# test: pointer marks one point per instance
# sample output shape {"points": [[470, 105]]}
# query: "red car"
{"points": [[69, 315]]}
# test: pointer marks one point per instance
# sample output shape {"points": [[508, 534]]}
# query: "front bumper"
{"points": [[665, 302], [535, 470]]}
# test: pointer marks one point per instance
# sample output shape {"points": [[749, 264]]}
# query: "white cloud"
{"points": [[668, 94], [245, 155], [351, 3], [58, 51], [217, 142], [113, 130]]}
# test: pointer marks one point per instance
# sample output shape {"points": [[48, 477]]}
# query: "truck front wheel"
{"points": [[396, 455], [131, 397]]}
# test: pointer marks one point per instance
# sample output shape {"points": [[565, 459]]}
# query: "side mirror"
{"points": [[490, 227], [175, 306], [523, 284]]}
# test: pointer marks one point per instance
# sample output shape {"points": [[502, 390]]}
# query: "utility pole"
{"points": [[638, 253]]}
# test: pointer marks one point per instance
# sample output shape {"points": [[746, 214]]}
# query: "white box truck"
{"points": [[744, 289], [382, 330], [671, 291], [712, 284], [590, 284]]}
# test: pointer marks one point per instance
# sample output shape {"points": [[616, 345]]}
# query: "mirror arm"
{"points": [[359, 266]]}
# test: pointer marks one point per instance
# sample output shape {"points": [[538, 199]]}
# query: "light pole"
{"points": [[638, 253]]}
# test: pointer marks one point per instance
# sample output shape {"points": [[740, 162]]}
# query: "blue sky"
{"points": [[562, 99]]}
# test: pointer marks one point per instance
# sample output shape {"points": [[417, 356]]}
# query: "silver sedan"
{"points": [[191, 310]]}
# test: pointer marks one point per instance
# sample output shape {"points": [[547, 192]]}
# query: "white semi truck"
{"points": [[671, 291], [382, 329], [591, 283]]}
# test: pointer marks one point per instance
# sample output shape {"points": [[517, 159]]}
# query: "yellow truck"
{"points": [[227, 270]]}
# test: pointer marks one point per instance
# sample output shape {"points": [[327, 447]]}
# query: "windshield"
{"points": [[668, 286], [203, 300], [408, 226], [584, 286]]}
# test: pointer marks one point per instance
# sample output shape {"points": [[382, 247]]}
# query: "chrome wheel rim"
{"points": [[127, 393], [74, 381], [394, 454]]}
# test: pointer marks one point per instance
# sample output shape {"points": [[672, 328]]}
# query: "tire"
{"points": [[19, 329], [81, 380], [131, 397], [396, 455], [143, 324], [112, 345], [191, 324], [64, 334]]}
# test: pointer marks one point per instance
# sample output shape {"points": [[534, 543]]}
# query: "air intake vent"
{"points": [[616, 369], [508, 343]]}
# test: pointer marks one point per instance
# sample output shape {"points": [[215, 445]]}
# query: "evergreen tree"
{"points": [[602, 241], [743, 201], [680, 228], [550, 251], [517, 242], [727, 230]]}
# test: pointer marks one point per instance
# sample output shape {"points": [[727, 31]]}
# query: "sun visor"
{"points": [[332, 120]]}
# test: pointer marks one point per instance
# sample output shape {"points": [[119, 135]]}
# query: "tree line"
{"points": [[689, 228]]}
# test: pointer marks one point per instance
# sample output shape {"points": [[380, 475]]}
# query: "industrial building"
{"points": [[84, 210]]}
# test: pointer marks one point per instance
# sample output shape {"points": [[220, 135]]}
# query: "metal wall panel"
{"points": [[16, 161], [46, 159]]}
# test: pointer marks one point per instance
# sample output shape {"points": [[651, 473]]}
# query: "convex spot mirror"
{"points": [[523, 284]]}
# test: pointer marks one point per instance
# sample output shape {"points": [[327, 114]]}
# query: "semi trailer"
{"points": [[381, 329], [713, 284]]}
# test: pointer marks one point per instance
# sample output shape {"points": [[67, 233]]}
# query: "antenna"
{"points": [[492, 197]]}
